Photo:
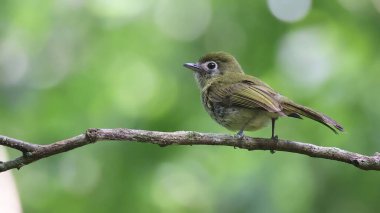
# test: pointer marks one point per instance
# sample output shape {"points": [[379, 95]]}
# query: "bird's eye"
{"points": [[212, 65]]}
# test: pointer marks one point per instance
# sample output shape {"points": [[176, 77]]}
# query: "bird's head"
{"points": [[214, 65]]}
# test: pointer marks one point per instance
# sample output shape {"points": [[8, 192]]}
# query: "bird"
{"points": [[241, 102]]}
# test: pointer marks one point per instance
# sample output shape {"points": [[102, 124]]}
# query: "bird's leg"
{"points": [[274, 137], [240, 134]]}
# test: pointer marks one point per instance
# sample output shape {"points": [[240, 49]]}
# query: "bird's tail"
{"points": [[292, 109]]}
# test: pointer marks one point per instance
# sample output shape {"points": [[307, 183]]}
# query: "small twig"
{"points": [[33, 152], [18, 144]]}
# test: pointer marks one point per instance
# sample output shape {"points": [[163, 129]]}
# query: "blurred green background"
{"points": [[69, 65]]}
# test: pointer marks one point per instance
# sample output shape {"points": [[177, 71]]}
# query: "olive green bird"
{"points": [[242, 102]]}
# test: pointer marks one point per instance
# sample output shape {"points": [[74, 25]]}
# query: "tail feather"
{"points": [[291, 108]]}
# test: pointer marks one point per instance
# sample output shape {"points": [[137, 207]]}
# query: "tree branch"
{"points": [[33, 152]]}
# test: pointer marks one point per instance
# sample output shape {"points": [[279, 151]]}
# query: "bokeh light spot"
{"points": [[79, 174], [376, 3], [355, 6], [14, 61], [306, 56], [135, 86], [183, 185], [289, 10], [119, 10], [54, 60], [234, 37], [183, 20]]}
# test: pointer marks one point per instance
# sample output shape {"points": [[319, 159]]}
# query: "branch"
{"points": [[33, 152]]}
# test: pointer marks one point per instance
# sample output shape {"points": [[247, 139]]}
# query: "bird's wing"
{"points": [[245, 94]]}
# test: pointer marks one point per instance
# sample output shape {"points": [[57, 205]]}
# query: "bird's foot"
{"points": [[240, 136], [275, 139]]}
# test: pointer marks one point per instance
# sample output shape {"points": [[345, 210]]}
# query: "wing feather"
{"points": [[245, 94]]}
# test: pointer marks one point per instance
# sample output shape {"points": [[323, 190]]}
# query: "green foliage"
{"points": [[66, 66]]}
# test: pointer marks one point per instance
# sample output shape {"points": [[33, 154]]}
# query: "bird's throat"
{"points": [[201, 80]]}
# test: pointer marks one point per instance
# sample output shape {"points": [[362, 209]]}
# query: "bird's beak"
{"points": [[193, 66]]}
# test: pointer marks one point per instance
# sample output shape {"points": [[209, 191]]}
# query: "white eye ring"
{"points": [[211, 65]]}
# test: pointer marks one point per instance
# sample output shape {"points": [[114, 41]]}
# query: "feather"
{"points": [[291, 108], [244, 94]]}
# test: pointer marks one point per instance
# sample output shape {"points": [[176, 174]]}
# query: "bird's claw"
{"points": [[240, 135], [275, 139]]}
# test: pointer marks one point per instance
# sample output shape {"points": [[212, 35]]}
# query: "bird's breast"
{"points": [[235, 117]]}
